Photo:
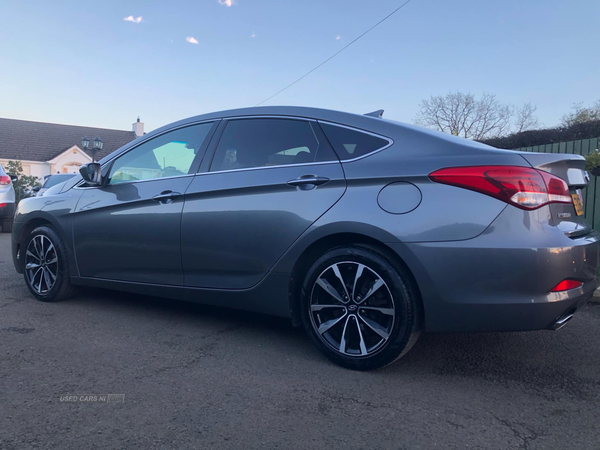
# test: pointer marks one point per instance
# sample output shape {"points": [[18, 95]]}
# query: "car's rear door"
{"points": [[268, 180], [129, 229]]}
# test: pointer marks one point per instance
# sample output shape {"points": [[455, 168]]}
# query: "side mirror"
{"points": [[13, 177], [36, 188], [91, 173]]}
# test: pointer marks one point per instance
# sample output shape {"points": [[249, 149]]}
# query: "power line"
{"points": [[337, 53]]}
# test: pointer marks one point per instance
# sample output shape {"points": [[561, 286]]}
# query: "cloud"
{"points": [[191, 40], [227, 3], [253, 34], [133, 19], [338, 37]]}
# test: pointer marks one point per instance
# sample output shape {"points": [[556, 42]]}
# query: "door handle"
{"points": [[166, 196], [306, 180]]}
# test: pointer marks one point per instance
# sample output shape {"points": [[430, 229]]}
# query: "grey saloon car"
{"points": [[364, 231]]}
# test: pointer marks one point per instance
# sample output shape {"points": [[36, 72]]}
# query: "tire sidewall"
{"points": [[406, 320], [62, 277]]}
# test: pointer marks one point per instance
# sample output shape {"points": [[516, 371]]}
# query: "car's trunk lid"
{"points": [[570, 218]]}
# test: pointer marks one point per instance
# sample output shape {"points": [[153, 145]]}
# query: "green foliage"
{"points": [[582, 114], [25, 182], [592, 162]]}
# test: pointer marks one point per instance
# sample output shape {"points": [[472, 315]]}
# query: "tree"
{"points": [[24, 183], [581, 114], [464, 115], [525, 119]]}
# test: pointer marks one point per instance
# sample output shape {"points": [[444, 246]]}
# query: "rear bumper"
{"points": [[8, 211], [501, 281]]}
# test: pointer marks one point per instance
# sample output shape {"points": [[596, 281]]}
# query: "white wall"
{"points": [[36, 168], [67, 162]]}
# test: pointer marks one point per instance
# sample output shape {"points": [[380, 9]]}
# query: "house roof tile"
{"points": [[41, 141]]}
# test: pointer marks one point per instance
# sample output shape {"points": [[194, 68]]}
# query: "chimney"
{"points": [[138, 128]]}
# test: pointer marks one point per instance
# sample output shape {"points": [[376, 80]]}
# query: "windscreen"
{"points": [[53, 180]]}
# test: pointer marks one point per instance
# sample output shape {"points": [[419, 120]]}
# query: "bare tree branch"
{"points": [[525, 118], [463, 115]]}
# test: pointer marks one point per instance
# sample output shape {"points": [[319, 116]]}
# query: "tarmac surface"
{"points": [[189, 376]]}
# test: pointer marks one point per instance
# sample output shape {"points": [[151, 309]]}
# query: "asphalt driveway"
{"points": [[196, 377]]}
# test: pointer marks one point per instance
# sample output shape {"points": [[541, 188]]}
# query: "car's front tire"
{"points": [[45, 265], [359, 307]]}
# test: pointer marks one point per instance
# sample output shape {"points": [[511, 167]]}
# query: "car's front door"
{"points": [[269, 180], [128, 229]]}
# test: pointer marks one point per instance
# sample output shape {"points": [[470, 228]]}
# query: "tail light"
{"points": [[565, 285], [522, 187], [4, 180], [2, 205]]}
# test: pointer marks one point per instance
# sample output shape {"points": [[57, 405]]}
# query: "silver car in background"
{"points": [[7, 200]]}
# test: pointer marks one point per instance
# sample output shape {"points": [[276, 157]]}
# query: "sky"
{"points": [[105, 63]]}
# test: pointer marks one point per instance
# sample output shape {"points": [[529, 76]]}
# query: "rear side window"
{"points": [[247, 143], [350, 144]]}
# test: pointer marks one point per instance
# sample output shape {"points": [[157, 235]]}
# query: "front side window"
{"points": [[247, 143], [350, 144], [168, 155]]}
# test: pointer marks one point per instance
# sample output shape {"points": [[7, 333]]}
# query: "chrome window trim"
{"points": [[245, 169], [270, 116], [78, 185], [136, 181], [279, 166], [344, 161]]}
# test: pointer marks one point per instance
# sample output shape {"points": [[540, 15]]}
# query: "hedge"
{"points": [[584, 130]]}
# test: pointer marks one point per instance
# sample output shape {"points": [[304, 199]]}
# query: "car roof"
{"points": [[388, 128], [344, 118], [368, 123]]}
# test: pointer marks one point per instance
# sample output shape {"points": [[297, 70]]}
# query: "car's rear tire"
{"points": [[370, 320], [45, 265]]}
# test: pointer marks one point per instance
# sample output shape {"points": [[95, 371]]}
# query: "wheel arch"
{"points": [[319, 246], [31, 223]]}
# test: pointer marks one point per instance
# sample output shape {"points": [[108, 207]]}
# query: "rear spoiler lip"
{"points": [[556, 156], [575, 176]]}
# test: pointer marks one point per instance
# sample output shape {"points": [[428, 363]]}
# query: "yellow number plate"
{"points": [[577, 203]]}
